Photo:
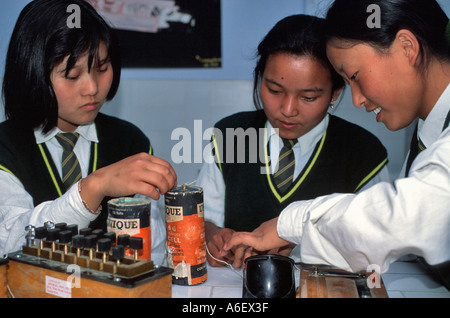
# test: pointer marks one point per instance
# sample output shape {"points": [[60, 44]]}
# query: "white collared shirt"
{"points": [[87, 133], [387, 221]]}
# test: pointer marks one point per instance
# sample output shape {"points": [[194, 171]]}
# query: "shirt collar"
{"points": [[430, 129], [86, 131], [306, 142]]}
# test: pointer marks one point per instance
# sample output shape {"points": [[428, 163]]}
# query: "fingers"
{"points": [[215, 259], [165, 169], [239, 239], [151, 183], [211, 257], [241, 243], [155, 172], [215, 243], [141, 173], [241, 253]]}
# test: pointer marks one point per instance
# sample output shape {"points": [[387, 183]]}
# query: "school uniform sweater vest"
{"points": [[343, 161], [33, 166]]}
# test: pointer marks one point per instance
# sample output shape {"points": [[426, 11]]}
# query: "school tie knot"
{"points": [[67, 140], [289, 143]]}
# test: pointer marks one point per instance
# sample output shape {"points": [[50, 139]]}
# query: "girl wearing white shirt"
{"points": [[401, 71]]}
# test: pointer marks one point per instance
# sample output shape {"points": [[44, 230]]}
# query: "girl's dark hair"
{"points": [[41, 40], [299, 35], [348, 20]]}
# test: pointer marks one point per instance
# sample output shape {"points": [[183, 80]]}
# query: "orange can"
{"points": [[131, 216], [185, 225]]}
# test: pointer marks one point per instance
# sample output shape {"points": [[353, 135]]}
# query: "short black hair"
{"points": [[347, 20], [42, 39], [299, 35]]}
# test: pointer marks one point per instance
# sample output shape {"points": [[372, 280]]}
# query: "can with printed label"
{"points": [[131, 216], [185, 244]]}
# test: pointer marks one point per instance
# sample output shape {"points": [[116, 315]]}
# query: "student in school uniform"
{"points": [[294, 86], [57, 78], [401, 71]]}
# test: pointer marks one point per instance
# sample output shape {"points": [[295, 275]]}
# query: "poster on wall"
{"points": [[165, 33]]}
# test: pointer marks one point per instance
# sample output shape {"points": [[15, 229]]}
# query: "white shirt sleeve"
{"points": [[379, 225], [17, 211]]}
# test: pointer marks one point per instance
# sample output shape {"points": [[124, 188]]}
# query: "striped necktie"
{"points": [[71, 170], [286, 166]]}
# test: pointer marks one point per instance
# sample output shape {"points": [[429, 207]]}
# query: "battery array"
{"points": [[93, 249]]}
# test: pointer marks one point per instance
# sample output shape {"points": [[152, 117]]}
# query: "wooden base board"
{"points": [[3, 279], [315, 286], [33, 277]]}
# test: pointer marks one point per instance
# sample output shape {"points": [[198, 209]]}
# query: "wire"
{"points": [[223, 262]]}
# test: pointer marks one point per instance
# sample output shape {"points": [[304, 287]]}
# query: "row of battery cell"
{"points": [[86, 238]]}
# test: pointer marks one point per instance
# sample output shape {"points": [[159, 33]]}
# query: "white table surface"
{"points": [[403, 280]]}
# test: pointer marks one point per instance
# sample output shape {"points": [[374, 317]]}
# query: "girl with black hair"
{"points": [[57, 78], [400, 71], [294, 85]]}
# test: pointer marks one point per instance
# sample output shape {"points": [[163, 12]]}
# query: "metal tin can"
{"points": [[131, 216], [186, 246]]}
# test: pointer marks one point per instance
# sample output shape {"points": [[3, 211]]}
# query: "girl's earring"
{"points": [[332, 106]]}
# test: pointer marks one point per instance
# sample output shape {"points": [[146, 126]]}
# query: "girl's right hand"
{"points": [[142, 173]]}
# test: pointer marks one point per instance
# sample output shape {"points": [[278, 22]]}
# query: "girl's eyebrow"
{"points": [[303, 90], [64, 70], [312, 90], [342, 70], [104, 61], [272, 81]]}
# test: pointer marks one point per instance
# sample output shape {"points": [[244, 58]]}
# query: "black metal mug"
{"points": [[268, 276]]}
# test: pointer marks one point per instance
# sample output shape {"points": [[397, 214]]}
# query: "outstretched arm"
{"points": [[263, 238]]}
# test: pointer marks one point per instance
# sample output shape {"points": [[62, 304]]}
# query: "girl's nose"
{"points": [[90, 86], [289, 106], [357, 97]]}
